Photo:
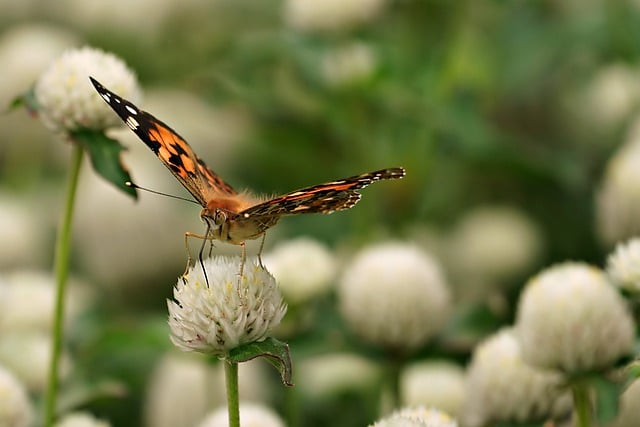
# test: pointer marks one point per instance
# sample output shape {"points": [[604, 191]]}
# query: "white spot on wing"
{"points": [[106, 97], [132, 123], [131, 110]]}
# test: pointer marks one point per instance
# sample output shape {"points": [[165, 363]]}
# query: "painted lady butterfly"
{"points": [[231, 216]]}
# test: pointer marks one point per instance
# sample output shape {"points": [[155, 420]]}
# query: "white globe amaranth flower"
{"points": [[394, 295], [303, 267], [436, 384], [331, 15], [417, 417], [251, 415], [618, 196], [67, 101], [15, 408], [81, 419], [623, 265], [25, 51], [348, 64], [21, 232], [223, 311], [28, 299], [502, 387], [183, 387], [493, 243], [571, 318], [331, 374], [27, 355]]}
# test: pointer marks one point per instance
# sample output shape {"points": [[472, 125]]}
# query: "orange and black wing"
{"points": [[323, 198], [171, 149]]}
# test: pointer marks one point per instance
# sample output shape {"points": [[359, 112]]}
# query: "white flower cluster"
{"points": [[394, 295], [303, 267], [623, 265], [434, 384], [81, 419], [571, 318], [618, 198], [251, 415], [331, 15], [15, 408], [502, 387], [66, 99], [417, 417], [222, 311]]}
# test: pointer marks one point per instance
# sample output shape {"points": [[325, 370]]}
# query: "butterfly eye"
{"points": [[219, 217]]}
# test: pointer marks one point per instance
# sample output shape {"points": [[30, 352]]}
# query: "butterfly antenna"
{"points": [[137, 187]]}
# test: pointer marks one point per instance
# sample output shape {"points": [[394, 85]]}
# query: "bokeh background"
{"points": [[516, 122]]}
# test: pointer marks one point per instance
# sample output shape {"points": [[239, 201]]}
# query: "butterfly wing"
{"points": [[171, 149], [323, 198]]}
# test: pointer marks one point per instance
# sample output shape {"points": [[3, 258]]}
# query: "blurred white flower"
{"points": [[612, 96], [571, 318], [25, 51], [21, 233], [417, 417], [395, 295], [331, 374], [15, 408], [251, 415], [226, 311], [27, 355], [501, 387], [623, 265], [331, 15], [184, 386], [303, 267], [629, 413], [28, 299], [434, 384], [81, 419], [348, 64], [618, 198], [491, 244], [67, 101]]}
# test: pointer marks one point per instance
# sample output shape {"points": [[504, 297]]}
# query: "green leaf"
{"points": [[26, 99], [607, 398], [105, 158], [276, 352]]}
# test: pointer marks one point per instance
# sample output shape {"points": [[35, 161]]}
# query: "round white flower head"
{"points": [[436, 384], [251, 415], [330, 15], [27, 354], [572, 319], [223, 311], [331, 374], [27, 301], [81, 419], [303, 267], [184, 386], [493, 243], [394, 295], [26, 50], [348, 64], [67, 100], [623, 265], [21, 232], [501, 387], [618, 198], [417, 417], [15, 407]]}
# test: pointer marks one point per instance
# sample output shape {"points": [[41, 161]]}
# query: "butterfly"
{"points": [[232, 216]]}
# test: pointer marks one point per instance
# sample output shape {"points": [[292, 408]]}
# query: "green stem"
{"points": [[61, 267], [395, 363], [581, 404], [233, 399]]}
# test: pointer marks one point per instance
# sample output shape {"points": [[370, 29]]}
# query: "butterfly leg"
{"points": [[264, 236]]}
